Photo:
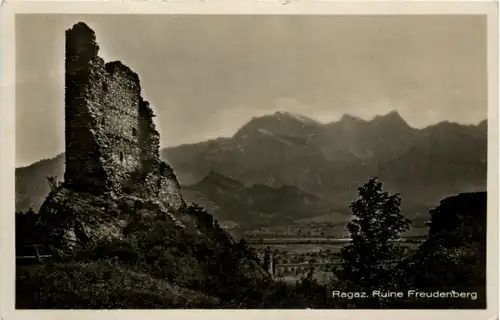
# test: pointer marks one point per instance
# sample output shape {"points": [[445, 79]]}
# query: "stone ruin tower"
{"points": [[111, 142]]}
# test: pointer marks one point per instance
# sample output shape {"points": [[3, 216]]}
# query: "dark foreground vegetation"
{"points": [[155, 265]]}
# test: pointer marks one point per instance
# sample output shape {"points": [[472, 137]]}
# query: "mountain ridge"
{"points": [[328, 160], [344, 117], [230, 200]]}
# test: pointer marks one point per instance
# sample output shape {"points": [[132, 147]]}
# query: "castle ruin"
{"points": [[112, 145]]}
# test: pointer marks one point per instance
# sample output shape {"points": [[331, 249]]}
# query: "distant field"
{"points": [[323, 277], [418, 236], [329, 226], [331, 217], [303, 248], [416, 232], [292, 240]]}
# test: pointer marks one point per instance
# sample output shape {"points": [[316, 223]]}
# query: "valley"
{"points": [[312, 243], [284, 182], [294, 258]]}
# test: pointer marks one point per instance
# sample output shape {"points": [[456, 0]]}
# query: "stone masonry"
{"points": [[112, 145]]}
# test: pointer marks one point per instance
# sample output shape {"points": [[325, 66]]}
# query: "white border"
{"points": [[7, 142]]}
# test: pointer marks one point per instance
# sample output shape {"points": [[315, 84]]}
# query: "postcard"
{"points": [[285, 160]]}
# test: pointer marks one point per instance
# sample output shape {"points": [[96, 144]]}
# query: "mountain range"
{"points": [[284, 165]]}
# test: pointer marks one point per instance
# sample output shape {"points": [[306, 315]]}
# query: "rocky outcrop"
{"points": [[453, 257], [75, 220]]}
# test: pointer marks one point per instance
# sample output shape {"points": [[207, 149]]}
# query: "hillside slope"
{"points": [[229, 200]]}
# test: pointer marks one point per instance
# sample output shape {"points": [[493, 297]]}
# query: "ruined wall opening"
{"points": [[121, 157]]}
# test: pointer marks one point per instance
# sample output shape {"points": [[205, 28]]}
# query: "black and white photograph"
{"points": [[253, 161]]}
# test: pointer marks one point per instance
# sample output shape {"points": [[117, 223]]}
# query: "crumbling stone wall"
{"points": [[83, 168], [169, 189], [111, 141]]}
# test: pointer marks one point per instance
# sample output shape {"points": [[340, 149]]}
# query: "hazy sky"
{"points": [[207, 75]]}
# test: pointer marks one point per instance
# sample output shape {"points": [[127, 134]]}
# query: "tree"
{"points": [[267, 258], [54, 184], [205, 219], [367, 260]]}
